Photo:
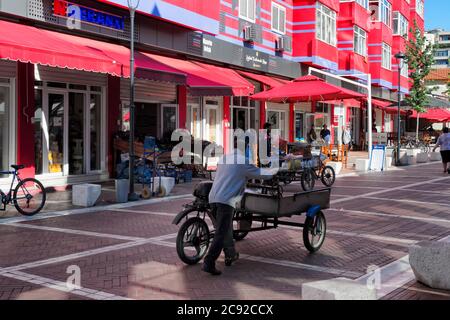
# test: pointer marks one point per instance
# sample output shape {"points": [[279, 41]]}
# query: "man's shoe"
{"points": [[229, 261], [211, 270]]}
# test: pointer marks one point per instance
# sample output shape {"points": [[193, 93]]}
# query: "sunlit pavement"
{"points": [[128, 251]]}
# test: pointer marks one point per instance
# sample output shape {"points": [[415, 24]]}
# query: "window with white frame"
{"points": [[247, 10], [326, 24], [400, 24], [385, 12], [363, 3], [420, 7], [360, 41], [404, 70], [278, 18], [386, 61]]}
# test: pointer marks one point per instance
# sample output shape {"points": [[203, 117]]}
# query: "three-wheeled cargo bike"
{"points": [[256, 212]]}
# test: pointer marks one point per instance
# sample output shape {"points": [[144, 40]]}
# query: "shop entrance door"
{"points": [[195, 123], [212, 124], [54, 126], [299, 126]]}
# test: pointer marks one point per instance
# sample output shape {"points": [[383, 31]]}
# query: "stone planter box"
{"points": [[362, 165], [389, 162], [337, 289], [435, 156], [422, 157], [430, 262], [85, 195], [412, 160]]}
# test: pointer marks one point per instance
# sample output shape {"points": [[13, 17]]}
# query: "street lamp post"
{"points": [[400, 57], [132, 6]]}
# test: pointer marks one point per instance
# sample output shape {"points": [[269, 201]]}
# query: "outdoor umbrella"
{"points": [[436, 114], [305, 89]]}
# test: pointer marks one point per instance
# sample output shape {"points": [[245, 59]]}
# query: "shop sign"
{"points": [[67, 9], [255, 61]]}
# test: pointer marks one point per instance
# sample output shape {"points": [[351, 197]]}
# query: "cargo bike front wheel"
{"points": [[314, 232], [193, 240]]}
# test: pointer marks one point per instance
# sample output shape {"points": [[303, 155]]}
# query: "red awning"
{"points": [[306, 89], [381, 104], [208, 80], [268, 81], [438, 115], [29, 44]]}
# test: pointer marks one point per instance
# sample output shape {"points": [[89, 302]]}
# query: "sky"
{"points": [[437, 14]]}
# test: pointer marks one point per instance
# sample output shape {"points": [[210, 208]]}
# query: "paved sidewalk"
{"points": [[127, 251]]}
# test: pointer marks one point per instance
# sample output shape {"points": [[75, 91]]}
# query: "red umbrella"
{"points": [[305, 89], [438, 115]]}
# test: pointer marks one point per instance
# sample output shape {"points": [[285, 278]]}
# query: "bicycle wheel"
{"points": [[29, 197], [193, 240], [308, 179], [328, 176], [314, 232]]}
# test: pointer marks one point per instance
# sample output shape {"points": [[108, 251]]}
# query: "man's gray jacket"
{"points": [[233, 172]]}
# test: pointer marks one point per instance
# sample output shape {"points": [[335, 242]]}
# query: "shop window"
{"points": [[95, 132], [77, 87], [168, 121], [56, 85], [38, 146], [56, 102], [299, 123], [4, 127], [278, 121]]}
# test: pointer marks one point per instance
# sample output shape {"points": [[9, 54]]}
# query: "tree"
{"points": [[420, 58]]}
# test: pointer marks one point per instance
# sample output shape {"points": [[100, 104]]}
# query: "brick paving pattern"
{"points": [[129, 251]]}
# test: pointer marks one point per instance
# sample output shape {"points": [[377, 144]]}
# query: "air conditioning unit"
{"points": [[248, 33], [280, 45]]}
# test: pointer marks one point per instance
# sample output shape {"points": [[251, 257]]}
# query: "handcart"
{"points": [[256, 212]]}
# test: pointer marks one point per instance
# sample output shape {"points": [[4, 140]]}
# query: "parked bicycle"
{"points": [[28, 196], [412, 143]]}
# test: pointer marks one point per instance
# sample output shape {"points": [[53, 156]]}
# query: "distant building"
{"points": [[441, 39]]}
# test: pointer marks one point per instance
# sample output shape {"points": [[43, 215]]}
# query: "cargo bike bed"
{"points": [[256, 212]]}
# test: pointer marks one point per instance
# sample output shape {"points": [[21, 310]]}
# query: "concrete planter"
{"points": [[337, 289], [85, 195], [389, 162], [435, 156], [413, 152], [403, 157], [412, 160], [422, 157], [430, 262], [362, 165]]}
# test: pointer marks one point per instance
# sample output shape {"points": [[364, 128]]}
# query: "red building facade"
{"points": [[201, 61]]}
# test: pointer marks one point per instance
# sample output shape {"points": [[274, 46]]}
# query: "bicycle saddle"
{"points": [[17, 166]]}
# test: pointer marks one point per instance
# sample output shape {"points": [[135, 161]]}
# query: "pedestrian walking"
{"points": [[444, 143], [346, 137], [325, 134], [311, 136], [233, 172]]}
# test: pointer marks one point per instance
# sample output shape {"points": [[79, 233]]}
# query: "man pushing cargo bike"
{"points": [[250, 207]]}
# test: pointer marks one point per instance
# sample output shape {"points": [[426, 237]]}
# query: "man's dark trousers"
{"points": [[223, 237]]}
